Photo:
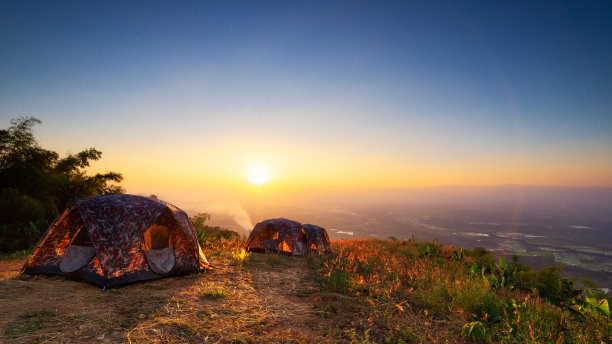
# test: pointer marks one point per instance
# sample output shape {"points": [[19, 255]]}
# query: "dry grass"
{"points": [[269, 299], [366, 291]]}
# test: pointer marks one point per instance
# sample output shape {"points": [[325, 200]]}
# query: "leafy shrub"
{"points": [[481, 256], [548, 283], [501, 275], [21, 217]]}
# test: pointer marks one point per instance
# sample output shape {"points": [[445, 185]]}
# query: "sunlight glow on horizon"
{"points": [[363, 99], [258, 174]]}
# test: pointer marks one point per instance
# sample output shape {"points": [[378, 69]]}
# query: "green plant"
{"points": [[213, 293], [590, 304], [337, 281], [357, 339], [481, 256], [501, 276], [474, 331], [457, 256], [549, 284], [239, 256]]}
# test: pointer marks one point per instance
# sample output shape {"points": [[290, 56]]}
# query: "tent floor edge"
{"points": [[100, 281], [78, 275]]}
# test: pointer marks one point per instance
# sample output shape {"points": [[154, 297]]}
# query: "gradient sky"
{"points": [[182, 97]]}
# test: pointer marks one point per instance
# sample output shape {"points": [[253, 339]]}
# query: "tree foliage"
{"points": [[36, 184], [207, 234]]}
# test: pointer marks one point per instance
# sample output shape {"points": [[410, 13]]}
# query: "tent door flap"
{"points": [[76, 257], [160, 261]]}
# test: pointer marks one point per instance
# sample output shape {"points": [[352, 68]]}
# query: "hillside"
{"points": [[364, 291]]}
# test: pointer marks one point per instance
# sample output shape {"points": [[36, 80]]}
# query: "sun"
{"points": [[258, 174]]}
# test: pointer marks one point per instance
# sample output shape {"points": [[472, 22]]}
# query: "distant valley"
{"points": [[542, 225]]}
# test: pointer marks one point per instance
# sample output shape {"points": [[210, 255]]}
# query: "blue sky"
{"points": [[520, 87]]}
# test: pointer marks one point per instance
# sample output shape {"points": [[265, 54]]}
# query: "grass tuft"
{"points": [[29, 322], [239, 256], [213, 293]]}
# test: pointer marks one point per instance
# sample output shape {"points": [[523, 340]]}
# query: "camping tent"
{"points": [[115, 239], [317, 237], [286, 236]]}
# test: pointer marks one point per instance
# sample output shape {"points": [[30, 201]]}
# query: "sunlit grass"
{"points": [[213, 293], [238, 256], [396, 277]]}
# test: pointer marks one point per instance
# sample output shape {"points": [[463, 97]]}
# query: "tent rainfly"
{"points": [[286, 236], [116, 239]]}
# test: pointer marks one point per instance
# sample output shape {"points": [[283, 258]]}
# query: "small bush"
{"points": [[337, 281], [548, 283]]}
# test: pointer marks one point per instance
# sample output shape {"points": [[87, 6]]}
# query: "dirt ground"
{"points": [[271, 300]]}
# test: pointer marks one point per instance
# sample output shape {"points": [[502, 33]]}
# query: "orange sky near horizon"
{"points": [[183, 171], [328, 96]]}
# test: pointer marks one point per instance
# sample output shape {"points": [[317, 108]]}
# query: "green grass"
{"points": [[213, 293], [28, 322], [22, 254], [239, 256]]}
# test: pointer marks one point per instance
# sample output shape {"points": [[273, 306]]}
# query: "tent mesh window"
{"points": [[271, 239], [157, 237], [82, 238], [269, 233]]}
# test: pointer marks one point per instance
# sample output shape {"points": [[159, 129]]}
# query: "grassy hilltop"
{"points": [[364, 291]]}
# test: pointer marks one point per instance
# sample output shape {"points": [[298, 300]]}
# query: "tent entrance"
{"points": [[80, 251], [157, 246], [82, 238]]}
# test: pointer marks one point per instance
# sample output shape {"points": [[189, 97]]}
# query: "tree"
{"points": [[36, 184], [207, 234]]}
